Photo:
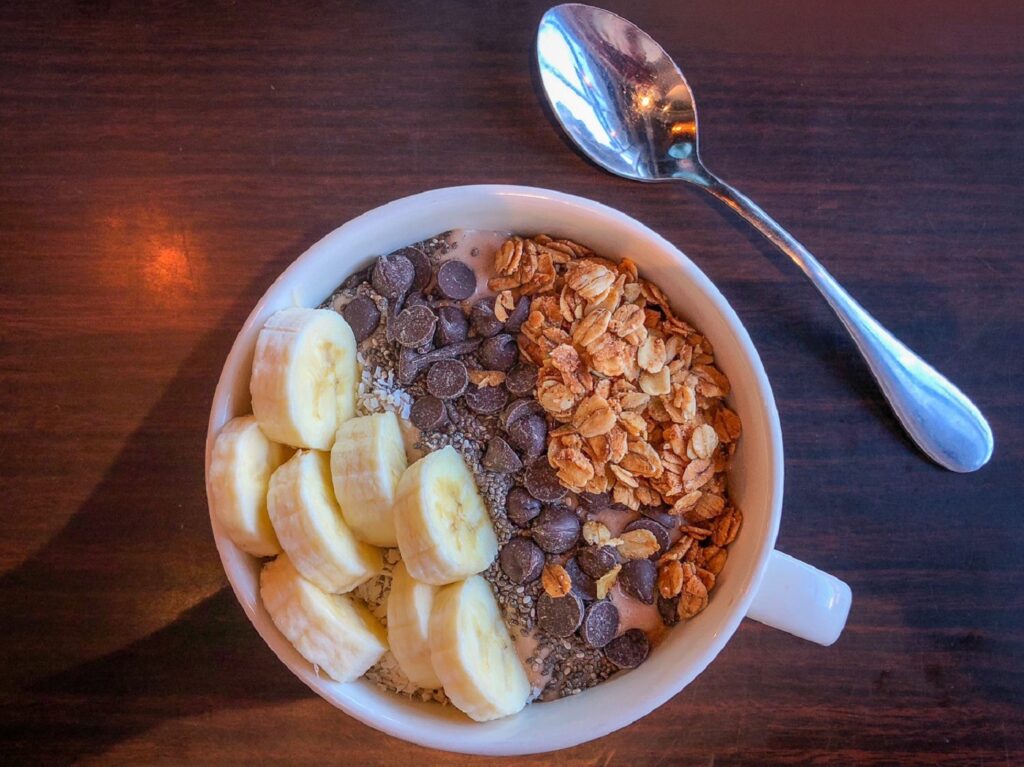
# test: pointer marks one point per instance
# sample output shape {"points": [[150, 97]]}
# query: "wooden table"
{"points": [[159, 166]]}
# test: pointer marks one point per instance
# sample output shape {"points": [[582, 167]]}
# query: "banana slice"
{"points": [[304, 377], [240, 467], [443, 529], [409, 606], [309, 525], [473, 653], [334, 632], [367, 460]]}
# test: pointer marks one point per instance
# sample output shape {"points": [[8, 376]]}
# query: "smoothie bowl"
{"points": [[498, 470]]}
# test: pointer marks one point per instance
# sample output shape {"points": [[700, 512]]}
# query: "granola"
{"points": [[635, 404]]}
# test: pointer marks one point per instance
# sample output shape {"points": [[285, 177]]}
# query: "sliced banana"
{"points": [[473, 654], [443, 529], [367, 460], [334, 632], [310, 527], [304, 376], [409, 606], [240, 467]]}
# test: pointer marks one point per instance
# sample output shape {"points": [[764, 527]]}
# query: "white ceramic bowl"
{"points": [[756, 480]]}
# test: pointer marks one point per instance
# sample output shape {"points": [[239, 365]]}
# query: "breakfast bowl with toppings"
{"points": [[498, 470]]}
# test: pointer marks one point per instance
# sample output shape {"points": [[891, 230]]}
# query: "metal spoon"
{"points": [[627, 106]]}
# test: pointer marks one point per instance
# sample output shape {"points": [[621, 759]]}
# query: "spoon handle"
{"points": [[944, 423]]}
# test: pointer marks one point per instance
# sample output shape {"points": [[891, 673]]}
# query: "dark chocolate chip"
{"points": [[415, 326], [529, 435], [486, 400], [422, 270], [499, 352], [521, 560], [595, 561], [518, 315], [363, 316], [452, 325], [668, 609], [447, 379], [660, 533], [518, 409], [582, 584], [543, 483], [596, 501], [500, 456], [629, 650], [455, 280], [428, 413], [521, 507], [556, 529], [392, 276], [482, 318], [410, 365], [415, 298], [637, 579], [660, 515], [600, 623], [522, 379], [451, 351], [559, 616]]}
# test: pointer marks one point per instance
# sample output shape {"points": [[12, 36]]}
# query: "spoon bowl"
{"points": [[617, 94], [626, 104]]}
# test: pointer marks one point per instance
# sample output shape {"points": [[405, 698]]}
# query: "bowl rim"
{"points": [[412, 732]]}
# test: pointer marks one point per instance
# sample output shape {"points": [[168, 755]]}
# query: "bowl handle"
{"points": [[801, 600]]}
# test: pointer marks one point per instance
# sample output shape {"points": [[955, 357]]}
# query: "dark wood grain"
{"points": [[160, 165]]}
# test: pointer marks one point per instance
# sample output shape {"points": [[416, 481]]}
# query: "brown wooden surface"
{"points": [[158, 167]]}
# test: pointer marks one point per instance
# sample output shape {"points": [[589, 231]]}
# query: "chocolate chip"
{"points": [[428, 413], [422, 270], [500, 457], [543, 483], [486, 400], [582, 584], [482, 318], [521, 560], [521, 507], [660, 515], [596, 501], [452, 325], [600, 623], [499, 352], [595, 561], [455, 280], [660, 533], [518, 409], [363, 316], [415, 326], [668, 609], [556, 529], [521, 379], [559, 616], [529, 435], [637, 579], [629, 650], [518, 315], [410, 365], [415, 298], [447, 379], [392, 276], [451, 351]]}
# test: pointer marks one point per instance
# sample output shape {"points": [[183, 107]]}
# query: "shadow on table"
{"points": [[86, 663]]}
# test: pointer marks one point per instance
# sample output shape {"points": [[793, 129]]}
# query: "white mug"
{"points": [[757, 582]]}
